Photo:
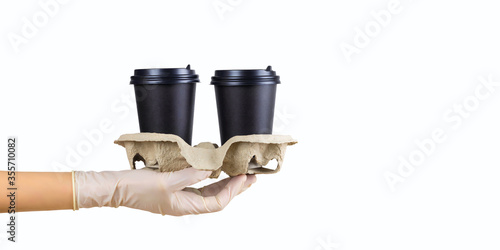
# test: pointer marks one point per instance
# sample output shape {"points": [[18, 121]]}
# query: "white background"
{"points": [[353, 119]]}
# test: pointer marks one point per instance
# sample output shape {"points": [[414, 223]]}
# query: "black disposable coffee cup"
{"points": [[245, 101], [165, 100]]}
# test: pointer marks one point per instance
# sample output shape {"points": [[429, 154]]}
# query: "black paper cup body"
{"points": [[245, 101], [165, 100]]}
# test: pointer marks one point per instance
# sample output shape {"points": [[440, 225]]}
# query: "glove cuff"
{"points": [[96, 189], [75, 203]]}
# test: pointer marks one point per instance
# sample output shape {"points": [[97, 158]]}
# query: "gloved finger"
{"points": [[233, 188], [215, 188], [196, 204], [178, 180], [251, 179], [192, 190]]}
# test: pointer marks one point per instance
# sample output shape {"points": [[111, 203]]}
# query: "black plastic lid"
{"points": [[235, 77], [164, 76]]}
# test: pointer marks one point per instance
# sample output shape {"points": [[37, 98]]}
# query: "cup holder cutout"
{"points": [[270, 167], [139, 161]]}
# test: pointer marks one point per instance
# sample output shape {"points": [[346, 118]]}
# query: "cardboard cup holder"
{"points": [[243, 154]]}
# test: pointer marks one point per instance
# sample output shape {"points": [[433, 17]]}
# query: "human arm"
{"points": [[37, 191], [145, 189]]}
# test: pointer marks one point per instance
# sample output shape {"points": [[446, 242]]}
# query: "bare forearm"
{"points": [[37, 191]]}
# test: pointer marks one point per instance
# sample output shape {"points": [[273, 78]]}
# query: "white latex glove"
{"points": [[157, 192]]}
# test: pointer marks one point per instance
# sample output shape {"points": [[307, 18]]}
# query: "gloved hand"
{"points": [[157, 192]]}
